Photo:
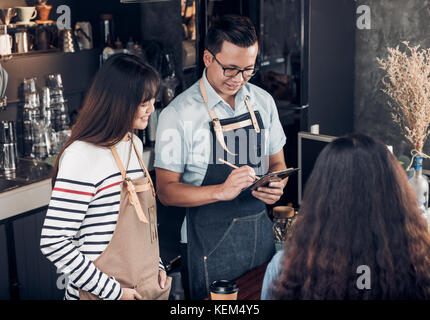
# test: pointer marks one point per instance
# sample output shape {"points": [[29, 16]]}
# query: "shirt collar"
{"points": [[214, 98]]}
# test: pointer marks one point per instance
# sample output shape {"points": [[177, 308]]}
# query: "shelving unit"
{"points": [[77, 70]]}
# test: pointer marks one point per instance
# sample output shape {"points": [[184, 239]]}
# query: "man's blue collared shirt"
{"points": [[183, 141]]}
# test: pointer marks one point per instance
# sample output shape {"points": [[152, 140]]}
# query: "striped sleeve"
{"points": [[161, 265], [69, 202]]}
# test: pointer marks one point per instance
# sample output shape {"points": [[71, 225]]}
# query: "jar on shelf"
{"points": [[283, 219]]}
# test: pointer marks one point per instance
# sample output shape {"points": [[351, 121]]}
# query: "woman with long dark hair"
{"points": [[100, 230], [359, 235]]}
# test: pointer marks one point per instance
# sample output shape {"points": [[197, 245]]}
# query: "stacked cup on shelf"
{"points": [[59, 115], [46, 125], [31, 114], [37, 133]]}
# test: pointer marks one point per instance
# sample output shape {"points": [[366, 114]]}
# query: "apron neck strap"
{"points": [[215, 118], [216, 123], [144, 167], [121, 167], [118, 162], [253, 117]]}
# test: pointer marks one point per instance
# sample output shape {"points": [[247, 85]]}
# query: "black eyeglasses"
{"points": [[247, 73]]}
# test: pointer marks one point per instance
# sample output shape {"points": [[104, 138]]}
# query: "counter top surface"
{"points": [[28, 171]]}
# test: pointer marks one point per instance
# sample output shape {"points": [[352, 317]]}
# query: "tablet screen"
{"points": [[272, 176]]}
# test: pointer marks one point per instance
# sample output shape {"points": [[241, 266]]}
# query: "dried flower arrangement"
{"points": [[407, 83]]}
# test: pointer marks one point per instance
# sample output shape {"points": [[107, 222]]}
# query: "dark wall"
{"points": [[331, 65], [162, 22], [282, 22], [393, 21]]}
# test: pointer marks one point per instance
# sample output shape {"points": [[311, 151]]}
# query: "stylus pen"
{"points": [[231, 165], [228, 163]]}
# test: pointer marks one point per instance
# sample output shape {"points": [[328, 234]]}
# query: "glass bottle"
{"points": [[419, 183], [107, 30]]}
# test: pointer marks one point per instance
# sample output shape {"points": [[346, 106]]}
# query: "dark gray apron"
{"points": [[229, 238]]}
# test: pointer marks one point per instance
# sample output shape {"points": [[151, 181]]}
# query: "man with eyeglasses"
{"points": [[221, 119]]}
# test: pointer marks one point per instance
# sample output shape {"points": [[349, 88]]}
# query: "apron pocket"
{"points": [[150, 289], [234, 253]]}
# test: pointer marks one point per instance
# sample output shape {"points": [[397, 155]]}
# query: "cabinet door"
{"points": [[4, 270], [36, 274]]}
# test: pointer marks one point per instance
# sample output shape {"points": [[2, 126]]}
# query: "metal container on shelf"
{"points": [[21, 42], [69, 43], [54, 82], [8, 146]]}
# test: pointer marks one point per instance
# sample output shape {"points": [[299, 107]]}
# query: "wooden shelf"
{"points": [[44, 53]]}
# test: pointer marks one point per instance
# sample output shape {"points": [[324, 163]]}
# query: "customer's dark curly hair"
{"points": [[358, 209]]}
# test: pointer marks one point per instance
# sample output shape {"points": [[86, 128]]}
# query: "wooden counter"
{"points": [[250, 284]]}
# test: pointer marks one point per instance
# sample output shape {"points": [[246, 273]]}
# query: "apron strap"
{"points": [[118, 162], [253, 117], [216, 123], [144, 168], [237, 125], [131, 190]]}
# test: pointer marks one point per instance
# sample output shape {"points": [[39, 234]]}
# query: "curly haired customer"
{"points": [[358, 209]]}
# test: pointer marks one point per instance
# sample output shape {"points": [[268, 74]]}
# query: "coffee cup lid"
{"points": [[224, 287]]}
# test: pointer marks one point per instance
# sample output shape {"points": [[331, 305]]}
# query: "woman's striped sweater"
{"points": [[82, 215]]}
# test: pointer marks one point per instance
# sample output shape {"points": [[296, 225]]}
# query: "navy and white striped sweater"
{"points": [[83, 213]]}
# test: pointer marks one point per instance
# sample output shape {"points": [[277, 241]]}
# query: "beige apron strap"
{"points": [[118, 162], [132, 195], [253, 117], [217, 125], [151, 213], [237, 125], [144, 168], [134, 200]]}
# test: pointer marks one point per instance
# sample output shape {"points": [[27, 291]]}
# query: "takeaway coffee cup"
{"points": [[224, 290]]}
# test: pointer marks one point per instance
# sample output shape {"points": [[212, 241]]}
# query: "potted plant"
{"points": [[43, 10], [407, 84]]}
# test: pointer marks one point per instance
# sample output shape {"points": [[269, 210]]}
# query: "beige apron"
{"points": [[132, 256]]}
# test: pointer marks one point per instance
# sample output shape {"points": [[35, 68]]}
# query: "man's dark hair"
{"points": [[236, 29]]}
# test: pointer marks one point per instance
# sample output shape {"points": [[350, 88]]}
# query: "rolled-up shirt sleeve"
{"points": [[276, 138]]}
